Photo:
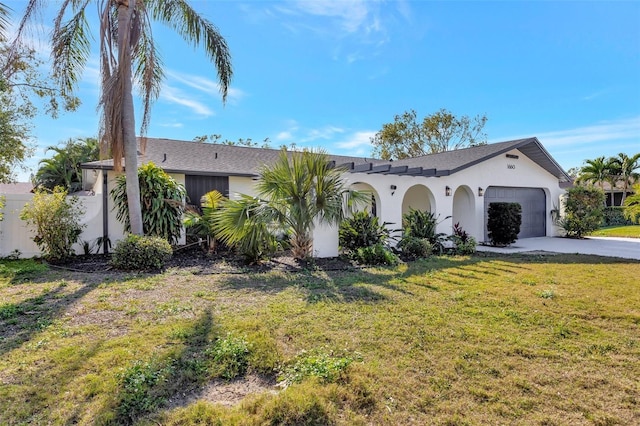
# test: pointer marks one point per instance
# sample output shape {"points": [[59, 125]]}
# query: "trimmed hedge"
{"points": [[504, 223], [141, 253]]}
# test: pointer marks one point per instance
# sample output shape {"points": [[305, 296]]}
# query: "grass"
{"points": [[449, 340], [630, 231]]}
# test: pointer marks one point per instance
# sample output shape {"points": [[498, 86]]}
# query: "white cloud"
{"points": [[324, 133], [357, 140], [606, 131], [204, 85], [171, 94]]}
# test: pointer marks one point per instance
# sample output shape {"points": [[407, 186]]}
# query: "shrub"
{"points": [[139, 392], [464, 244], [377, 254], [141, 253], [162, 199], [632, 205], [55, 219], [422, 224], [362, 230], [231, 356], [415, 248], [202, 225], [614, 216], [503, 223], [325, 366], [2, 201], [583, 211]]}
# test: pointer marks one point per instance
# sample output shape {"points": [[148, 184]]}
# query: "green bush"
{"points": [[422, 224], [55, 219], [415, 248], [614, 216], [141, 253], [361, 230], [377, 254], [231, 356], [583, 211], [463, 243], [162, 199], [632, 205], [503, 223]]}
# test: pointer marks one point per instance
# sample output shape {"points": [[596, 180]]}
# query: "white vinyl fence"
{"points": [[16, 237]]}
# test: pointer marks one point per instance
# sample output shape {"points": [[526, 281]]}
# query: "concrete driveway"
{"points": [[627, 248]]}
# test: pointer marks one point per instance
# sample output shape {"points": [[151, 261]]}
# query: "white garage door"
{"points": [[532, 201]]}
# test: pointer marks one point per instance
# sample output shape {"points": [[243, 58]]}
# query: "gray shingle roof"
{"points": [[197, 158], [16, 188]]}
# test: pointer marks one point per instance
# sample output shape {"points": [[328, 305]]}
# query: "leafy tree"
{"points": [[625, 168], [215, 138], [632, 205], [63, 169], [55, 219], [128, 53], [162, 198], [441, 131], [583, 211]]}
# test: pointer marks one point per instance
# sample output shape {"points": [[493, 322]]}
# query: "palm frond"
{"points": [[196, 30]]}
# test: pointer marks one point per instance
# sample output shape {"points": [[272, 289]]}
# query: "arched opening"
{"points": [[418, 197], [373, 206], [464, 208]]}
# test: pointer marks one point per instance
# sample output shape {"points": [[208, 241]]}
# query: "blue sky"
{"points": [[331, 73]]}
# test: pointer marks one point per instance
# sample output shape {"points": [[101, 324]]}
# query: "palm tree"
{"points": [[63, 168], [626, 167], [127, 52], [597, 172]]}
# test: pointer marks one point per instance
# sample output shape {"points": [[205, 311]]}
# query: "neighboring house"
{"points": [[618, 190], [16, 188], [456, 185]]}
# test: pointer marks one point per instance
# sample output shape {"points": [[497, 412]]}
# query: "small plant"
{"points": [[415, 248], [202, 225], [583, 211], [55, 219], [231, 356], [2, 202], [325, 366], [362, 230], [547, 294], [138, 393], [503, 223], [141, 253], [374, 255], [464, 244], [422, 224], [162, 199]]}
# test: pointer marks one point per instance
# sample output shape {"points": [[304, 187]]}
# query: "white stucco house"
{"points": [[456, 185]]}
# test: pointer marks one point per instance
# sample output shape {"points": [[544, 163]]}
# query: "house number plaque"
{"points": [[511, 166]]}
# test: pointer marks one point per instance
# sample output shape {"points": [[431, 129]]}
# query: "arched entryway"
{"points": [[373, 206], [418, 197], [464, 207]]}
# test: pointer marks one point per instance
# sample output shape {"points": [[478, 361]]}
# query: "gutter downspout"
{"points": [[105, 213]]}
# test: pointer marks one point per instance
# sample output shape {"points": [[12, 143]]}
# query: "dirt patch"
{"points": [[228, 393], [197, 261]]}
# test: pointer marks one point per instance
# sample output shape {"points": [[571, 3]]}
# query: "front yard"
{"points": [[630, 231], [450, 340]]}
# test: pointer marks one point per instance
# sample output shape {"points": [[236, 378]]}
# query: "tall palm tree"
{"points": [[597, 172], [626, 167], [127, 52]]}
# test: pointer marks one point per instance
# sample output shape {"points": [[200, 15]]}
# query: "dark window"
{"points": [[197, 186]]}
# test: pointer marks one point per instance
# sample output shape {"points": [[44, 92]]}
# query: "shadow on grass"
{"points": [[20, 321]]}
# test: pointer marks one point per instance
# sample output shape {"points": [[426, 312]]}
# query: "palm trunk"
{"points": [[125, 13]]}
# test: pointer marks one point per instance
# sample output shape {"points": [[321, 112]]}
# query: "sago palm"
{"points": [[303, 189], [127, 52]]}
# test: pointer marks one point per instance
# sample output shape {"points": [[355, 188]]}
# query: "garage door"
{"points": [[532, 201]]}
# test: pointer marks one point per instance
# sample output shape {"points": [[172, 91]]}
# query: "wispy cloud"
{"points": [[306, 136], [204, 85], [595, 95], [174, 95], [357, 143], [606, 131]]}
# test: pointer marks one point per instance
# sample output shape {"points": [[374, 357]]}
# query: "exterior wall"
{"points": [[497, 171], [241, 185]]}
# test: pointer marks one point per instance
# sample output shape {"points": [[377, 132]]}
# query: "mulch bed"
{"points": [[197, 261]]}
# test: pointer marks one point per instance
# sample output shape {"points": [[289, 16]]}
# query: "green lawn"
{"points": [[551, 340], [632, 231]]}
